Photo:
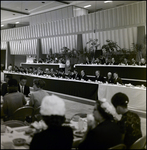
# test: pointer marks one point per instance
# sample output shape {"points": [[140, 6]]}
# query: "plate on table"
{"points": [[19, 141], [79, 133]]}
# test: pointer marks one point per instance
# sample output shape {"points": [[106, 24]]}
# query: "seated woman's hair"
{"points": [[103, 111], [39, 83], [12, 85], [120, 99], [53, 110]]}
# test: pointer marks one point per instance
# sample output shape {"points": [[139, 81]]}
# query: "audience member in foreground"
{"points": [[104, 132], [22, 87], [5, 85], [13, 99], [37, 96], [130, 122], [55, 136]]}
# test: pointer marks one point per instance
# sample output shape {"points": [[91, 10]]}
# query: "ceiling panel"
{"points": [[36, 7]]}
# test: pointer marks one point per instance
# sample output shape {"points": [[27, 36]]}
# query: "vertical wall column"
{"points": [[9, 57], [39, 50], [141, 41]]}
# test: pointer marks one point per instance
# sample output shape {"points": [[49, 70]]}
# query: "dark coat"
{"points": [[26, 90], [84, 78], [4, 88], [53, 138], [100, 78], [76, 76], [105, 135], [117, 80]]}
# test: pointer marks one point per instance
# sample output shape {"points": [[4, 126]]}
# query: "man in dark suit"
{"points": [[76, 75], [116, 78], [98, 76], [83, 76], [22, 87]]}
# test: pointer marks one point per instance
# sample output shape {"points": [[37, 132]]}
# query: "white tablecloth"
{"points": [[136, 95]]}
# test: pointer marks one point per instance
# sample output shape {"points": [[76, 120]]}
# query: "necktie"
{"points": [[21, 89]]}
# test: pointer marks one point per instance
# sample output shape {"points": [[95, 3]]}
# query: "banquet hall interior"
{"points": [[81, 51]]}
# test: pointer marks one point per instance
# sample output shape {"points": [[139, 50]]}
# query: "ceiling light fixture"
{"points": [[107, 1], [16, 22], [87, 6], [2, 25]]}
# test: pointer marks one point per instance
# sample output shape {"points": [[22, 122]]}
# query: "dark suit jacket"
{"points": [[100, 78], [26, 90], [117, 80], [76, 76], [103, 136], [84, 77], [53, 138], [4, 88]]}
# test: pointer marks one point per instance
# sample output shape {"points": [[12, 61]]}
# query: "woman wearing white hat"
{"points": [[55, 136]]}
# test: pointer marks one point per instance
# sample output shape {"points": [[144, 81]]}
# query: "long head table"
{"points": [[44, 65], [89, 90], [129, 74]]}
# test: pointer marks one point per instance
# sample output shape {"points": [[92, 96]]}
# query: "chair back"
{"points": [[37, 115], [14, 123], [139, 144], [119, 146], [24, 113]]}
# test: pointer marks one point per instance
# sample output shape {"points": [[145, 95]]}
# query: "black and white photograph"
{"points": [[73, 75]]}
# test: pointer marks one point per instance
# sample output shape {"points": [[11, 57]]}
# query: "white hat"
{"points": [[52, 105]]}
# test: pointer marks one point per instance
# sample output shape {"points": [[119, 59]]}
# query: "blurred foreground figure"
{"points": [[130, 122], [55, 136]]}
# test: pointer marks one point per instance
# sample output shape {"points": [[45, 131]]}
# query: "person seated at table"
{"points": [[30, 71], [87, 61], [97, 61], [106, 62], [5, 85], [13, 99], [69, 74], [22, 87], [98, 76], [93, 61], [129, 123], [124, 62], [38, 94], [113, 62], [56, 136], [40, 72], [109, 78], [116, 78], [56, 60], [52, 72], [47, 71], [35, 71], [16, 69], [22, 70], [40, 60], [133, 62], [103, 132], [10, 67], [83, 76], [142, 62], [76, 75]]}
